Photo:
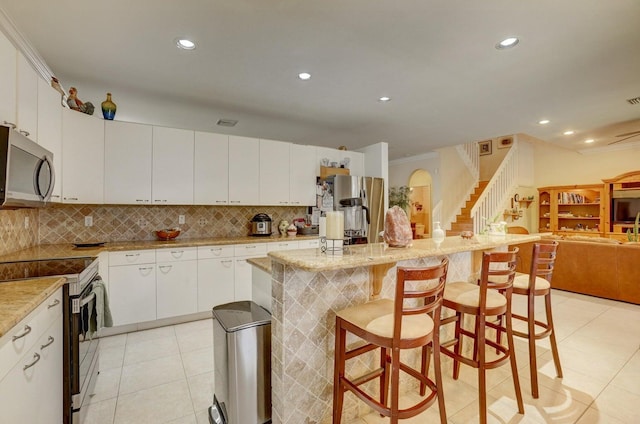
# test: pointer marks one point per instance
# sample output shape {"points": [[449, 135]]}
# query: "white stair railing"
{"points": [[470, 154], [491, 201], [460, 170]]}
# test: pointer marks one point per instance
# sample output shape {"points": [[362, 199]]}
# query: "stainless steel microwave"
{"points": [[27, 176]]}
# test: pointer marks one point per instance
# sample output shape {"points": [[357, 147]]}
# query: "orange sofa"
{"points": [[594, 266]]}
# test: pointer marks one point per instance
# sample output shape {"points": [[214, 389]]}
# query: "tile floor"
{"points": [[165, 375]]}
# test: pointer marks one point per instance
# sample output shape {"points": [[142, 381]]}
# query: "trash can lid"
{"points": [[236, 316]]}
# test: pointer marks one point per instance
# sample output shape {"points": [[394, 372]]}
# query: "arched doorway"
{"points": [[420, 201]]}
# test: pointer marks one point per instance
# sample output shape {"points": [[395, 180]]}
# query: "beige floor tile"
{"points": [[629, 377], [154, 333], [201, 389], [143, 375], [498, 413], [111, 357], [600, 367], [107, 385], [195, 340], [159, 404], [593, 416], [202, 417], [146, 350], [99, 412], [113, 341], [204, 326], [198, 361], [189, 419], [619, 403]]}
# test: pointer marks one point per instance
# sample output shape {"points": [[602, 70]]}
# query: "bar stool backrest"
{"points": [[543, 258]]}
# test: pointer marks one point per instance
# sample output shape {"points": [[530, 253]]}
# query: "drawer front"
{"points": [[210, 252], [252, 249], [132, 257], [282, 245], [176, 254], [308, 244]]}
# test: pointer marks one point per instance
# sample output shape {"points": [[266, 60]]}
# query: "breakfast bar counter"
{"points": [[308, 287]]}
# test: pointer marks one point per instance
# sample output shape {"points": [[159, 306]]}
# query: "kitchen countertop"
{"points": [[19, 298], [380, 253], [263, 263], [67, 250]]}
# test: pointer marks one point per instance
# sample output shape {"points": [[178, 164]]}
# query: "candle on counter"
{"points": [[322, 226], [335, 225]]}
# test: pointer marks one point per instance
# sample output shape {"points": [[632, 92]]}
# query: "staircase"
{"points": [[463, 220]]}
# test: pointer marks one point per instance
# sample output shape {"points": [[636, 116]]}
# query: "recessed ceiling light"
{"points": [[570, 132], [543, 121], [507, 43], [304, 76], [589, 140], [185, 44], [384, 99]]}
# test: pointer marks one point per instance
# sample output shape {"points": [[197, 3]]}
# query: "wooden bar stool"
{"points": [[538, 283], [410, 321], [484, 300]]}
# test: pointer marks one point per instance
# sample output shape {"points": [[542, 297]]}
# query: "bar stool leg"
{"points": [[531, 329], [552, 336], [395, 384], [384, 378], [424, 366], [458, 346], [438, 372], [338, 390], [480, 356], [512, 359]]}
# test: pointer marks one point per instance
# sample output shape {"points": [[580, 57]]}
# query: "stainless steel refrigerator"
{"points": [[362, 201]]}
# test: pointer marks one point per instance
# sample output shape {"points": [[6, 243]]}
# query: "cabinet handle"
{"points": [[57, 196], [226, 261], [49, 342], [26, 331], [216, 249], [70, 198], [250, 247], [24, 133], [177, 253], [234, 201], [9, 124], [167, 267], [55, 303], [36, 358], [129, 255], [221, 201], [284, 203], [146, 268]]}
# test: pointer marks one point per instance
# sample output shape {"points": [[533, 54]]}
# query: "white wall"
{"points": [[376, 164], [400, 171]]}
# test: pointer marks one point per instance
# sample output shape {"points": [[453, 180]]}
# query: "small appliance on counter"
{"points": [[261, 225]]}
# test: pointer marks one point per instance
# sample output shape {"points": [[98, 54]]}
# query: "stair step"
{"points": [[463, 221]]}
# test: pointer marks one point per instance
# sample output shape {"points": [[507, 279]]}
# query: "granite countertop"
{"points": [[19, 298], [380, 253], [261, 263], [64, 250]]}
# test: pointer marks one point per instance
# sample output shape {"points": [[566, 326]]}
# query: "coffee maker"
{"points": [[349, 197]]}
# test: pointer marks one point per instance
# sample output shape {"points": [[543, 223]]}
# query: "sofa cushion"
{"points": [[593, 239]]}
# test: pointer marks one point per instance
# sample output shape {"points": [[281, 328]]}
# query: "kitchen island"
{"points": [[308, 287]]}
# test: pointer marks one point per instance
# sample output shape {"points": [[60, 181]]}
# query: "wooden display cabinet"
{"points": [[572, 210], [624, 182]]}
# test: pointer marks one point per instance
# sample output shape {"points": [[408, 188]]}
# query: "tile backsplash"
{"points": [[111, 223], [18, 229]]}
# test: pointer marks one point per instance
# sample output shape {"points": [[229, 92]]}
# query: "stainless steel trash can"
{"points": [[242, 361]]}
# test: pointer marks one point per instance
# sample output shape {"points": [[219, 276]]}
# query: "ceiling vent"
{"points": [[634, 101], [227, 122]]}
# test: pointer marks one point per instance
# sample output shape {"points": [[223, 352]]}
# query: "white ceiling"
{"points": [[576, 64]]}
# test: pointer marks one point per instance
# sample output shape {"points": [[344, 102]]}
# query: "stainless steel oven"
{"points": [[80, 353]]}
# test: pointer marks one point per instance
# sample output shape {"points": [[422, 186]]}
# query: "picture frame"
{"points": [[505, 142], [485, 147]]}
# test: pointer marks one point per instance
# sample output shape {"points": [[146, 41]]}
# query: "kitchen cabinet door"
{"points": [[50, 130], [51, 378], [172, 175], [333, 155], [356, 162], [244, 170], [8, 79], [274, 173], [216, 283], [127, 163], [211, 169], [27, 99], [132, 293], [83, 153], [302, 175], [243, 275], [177, 285]]}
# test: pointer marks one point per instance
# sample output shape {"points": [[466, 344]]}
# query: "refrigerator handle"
{"points": [[366, 210]]}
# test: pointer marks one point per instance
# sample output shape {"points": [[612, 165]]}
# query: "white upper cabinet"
{"points": [[172, 166], [244, 170], [302, 175], [27, 95], [356, 162], [333, 155], [50, 130], [82, 158], [274, 173], [127, 163], [211, 172], [8, 66]]}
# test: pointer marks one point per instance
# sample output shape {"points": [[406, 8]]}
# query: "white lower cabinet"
{"points": [[176, 282], [216, 281], [31, 378], [243, 269], [132, 288]]}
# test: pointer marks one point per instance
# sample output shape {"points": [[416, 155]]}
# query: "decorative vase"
{"points": [[108, 108], [438, 233]]}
